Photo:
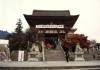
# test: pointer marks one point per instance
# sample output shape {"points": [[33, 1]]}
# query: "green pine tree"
{"points": [[18, 30]]}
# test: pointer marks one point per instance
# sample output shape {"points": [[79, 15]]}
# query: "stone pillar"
{"points": [[43, 51]]}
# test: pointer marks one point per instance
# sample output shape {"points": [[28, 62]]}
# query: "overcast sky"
{"points": [[88, 22]]}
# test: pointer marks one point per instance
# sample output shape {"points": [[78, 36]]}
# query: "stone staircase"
{"points": [[56, 54]]}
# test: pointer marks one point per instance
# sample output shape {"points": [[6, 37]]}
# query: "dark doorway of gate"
{"points": [[51, 41]]}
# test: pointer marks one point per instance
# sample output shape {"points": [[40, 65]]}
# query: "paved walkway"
{"points": [[48, 64]]}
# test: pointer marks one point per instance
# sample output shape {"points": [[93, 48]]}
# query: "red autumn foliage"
{"points": [[81, 39], [76, 38]]}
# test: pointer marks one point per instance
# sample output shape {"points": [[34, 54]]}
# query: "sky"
{"points": [[88, 22]]}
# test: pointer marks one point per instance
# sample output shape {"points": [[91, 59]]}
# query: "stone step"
{"points": [[54, 54], [51, 65], [50, 68]]}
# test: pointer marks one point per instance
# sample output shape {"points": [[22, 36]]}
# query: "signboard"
{"points": [[49, 26], [21, 56]]}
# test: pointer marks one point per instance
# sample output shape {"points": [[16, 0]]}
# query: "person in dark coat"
{"points": [[66, 47], [67, 54]]}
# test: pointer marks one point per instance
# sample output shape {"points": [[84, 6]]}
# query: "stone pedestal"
{"points": [[34, 54], [79, 54]]}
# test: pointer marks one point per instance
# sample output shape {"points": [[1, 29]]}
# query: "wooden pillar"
{"points": [[65, 36]]}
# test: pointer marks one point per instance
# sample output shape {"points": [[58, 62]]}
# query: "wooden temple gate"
{"points": [[48, 24]]}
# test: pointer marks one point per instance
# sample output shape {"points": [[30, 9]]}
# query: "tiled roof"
{"points": [[51, 13]]}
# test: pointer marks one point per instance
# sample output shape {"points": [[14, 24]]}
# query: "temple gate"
{"points": [[50, 28]]}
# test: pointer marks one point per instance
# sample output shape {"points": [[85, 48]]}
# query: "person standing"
{"points": [[67, 54], [66, 50]]}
